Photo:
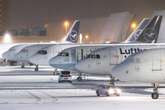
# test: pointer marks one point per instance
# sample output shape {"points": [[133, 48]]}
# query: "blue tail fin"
{"points": [[147, 31], [73, 33]]}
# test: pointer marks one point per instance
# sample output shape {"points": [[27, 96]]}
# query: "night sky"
{"points": [[24, 13], [39, 11]]}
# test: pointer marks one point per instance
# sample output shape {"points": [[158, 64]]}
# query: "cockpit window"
{"points": [[42, 52], [98, 56], [65, 54], [93, 56]]}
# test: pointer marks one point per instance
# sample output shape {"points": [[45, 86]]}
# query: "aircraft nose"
{"points": [[52, 61], [4, 55], [56, 62], [8, 56], [62, 63]]}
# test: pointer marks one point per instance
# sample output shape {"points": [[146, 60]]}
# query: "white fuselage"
{"points": [[51, 51], [71, 56], [110, 57], [148, 66], [11, 53], [22, 52]]}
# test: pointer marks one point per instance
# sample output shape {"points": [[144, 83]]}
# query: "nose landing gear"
{"points": [[155, 94], [36, 68], [22, 65]]}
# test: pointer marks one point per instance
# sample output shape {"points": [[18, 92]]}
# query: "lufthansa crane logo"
{"points": [[73, 35], [137, 34]]}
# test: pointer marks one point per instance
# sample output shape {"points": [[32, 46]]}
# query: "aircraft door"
{"points": [[157, 62], [114, 57], [73, 57], [82, 54]]}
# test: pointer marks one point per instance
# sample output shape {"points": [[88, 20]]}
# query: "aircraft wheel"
{"points": [[79, 78], [36, 68], [155, 95], [118, 94], [102, 92], [97, 93], [23, 66], [107, 93]]}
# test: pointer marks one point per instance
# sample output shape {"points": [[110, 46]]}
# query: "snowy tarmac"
{"points": [[74, 99]]}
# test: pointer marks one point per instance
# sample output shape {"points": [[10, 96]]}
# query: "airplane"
{"points": [[101, 61], [22, 53], [147, 66], [45, 58], [10, 54], [3, 48], [72, 58]]}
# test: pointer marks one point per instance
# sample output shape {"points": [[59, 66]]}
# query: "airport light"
{"points": [[86, 37], [107, 42], [66, 25], [46, 26], [81, 38], [133, 25], [7, 38], [114, 91]]}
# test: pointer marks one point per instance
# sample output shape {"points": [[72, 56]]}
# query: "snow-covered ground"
{"points": [[75, 100], [67, 99], [28, 70]]}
